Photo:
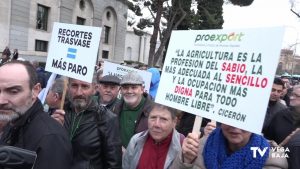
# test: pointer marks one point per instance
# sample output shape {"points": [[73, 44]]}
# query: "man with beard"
{"points": [[108, 88], [134, 108], [274, 105], [283, 124], [93, 129], [29, 127]]}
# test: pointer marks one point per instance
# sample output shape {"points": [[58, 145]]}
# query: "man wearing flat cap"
{"points": [[134, 107], [108, 88]]}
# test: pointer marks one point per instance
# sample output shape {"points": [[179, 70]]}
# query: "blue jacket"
{"points": [[154, 82]]}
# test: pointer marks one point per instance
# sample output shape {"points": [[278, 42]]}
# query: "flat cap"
{"points": [[110, 79], [132, 78]]}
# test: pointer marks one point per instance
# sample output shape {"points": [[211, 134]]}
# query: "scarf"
{"points": [[216, 154]]}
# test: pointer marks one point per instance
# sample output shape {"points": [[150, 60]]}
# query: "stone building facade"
{"points": [[288, 63], [137, 47], [27, 24]]}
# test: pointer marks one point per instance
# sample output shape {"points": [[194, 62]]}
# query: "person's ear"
{"points": [[56, 95], [36, 89]]}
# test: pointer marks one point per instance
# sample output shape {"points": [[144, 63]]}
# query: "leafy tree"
{"points": [[209, 15], [240, 2]]}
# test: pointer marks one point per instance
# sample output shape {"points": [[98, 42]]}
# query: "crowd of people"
{"points": [[113, 123], [8, 56]]}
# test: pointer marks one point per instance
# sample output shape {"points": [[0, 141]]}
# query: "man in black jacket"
{"points": [[29, 127], [108, 91], [93, 129], [283, 124]]}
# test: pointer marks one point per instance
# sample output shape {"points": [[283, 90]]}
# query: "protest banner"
{"points": [[73, 51], [121, 70], [223, 75]]}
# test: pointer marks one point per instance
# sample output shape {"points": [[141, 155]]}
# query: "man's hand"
{"points": [[190, 148], [59, 115]]}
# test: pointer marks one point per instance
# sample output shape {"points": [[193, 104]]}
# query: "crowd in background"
{"points": [[113, 123]]}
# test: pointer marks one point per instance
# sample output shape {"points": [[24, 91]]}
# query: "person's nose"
{"points": [[79, 91], [3, 98], [157, 122]]}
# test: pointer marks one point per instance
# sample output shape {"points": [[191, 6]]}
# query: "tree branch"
{"points": [[298, 15]]}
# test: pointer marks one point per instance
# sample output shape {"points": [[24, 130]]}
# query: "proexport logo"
{"points": [[219, 37]]}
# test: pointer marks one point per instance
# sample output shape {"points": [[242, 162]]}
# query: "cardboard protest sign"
{"points": [[121, 70], [223, 75], [73, 51]]}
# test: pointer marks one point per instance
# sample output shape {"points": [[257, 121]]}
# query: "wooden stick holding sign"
{"points": [[66, 80], [197, 124]]}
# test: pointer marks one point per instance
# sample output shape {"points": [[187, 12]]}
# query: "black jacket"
{"points": [[96, 141], [111, 106], [280, 126], [37, 131], [294, 154]]}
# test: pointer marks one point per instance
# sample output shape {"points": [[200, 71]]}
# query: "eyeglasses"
{"points": [[294, 95]]}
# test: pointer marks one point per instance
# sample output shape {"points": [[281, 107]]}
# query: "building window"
{"points": [[105, 54], [82, 4], [41, 45], [42, 17], [108, 15], [106, 34], [80, 21]]}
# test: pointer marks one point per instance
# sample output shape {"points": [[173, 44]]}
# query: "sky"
{"points": [[265, 13]]}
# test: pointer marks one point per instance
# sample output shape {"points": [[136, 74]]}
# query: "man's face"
{"points": [[132, 94], [276, 92], [52, 99], [286, 81], [236, 137], [295, 98], [80, 94], [16, 97], [160, 124], [108, 92]]}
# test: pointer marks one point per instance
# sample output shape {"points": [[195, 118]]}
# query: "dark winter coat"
{"points": [[96, 142], [37, 131], [294, 154], [281, 126]]}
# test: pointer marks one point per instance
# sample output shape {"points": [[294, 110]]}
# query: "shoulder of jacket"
{"points": [[105, 113]]}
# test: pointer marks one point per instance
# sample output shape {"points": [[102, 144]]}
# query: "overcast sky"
{"points": [[263, 13]]}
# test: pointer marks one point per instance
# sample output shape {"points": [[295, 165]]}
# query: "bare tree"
{"points": [[294, 7]]}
